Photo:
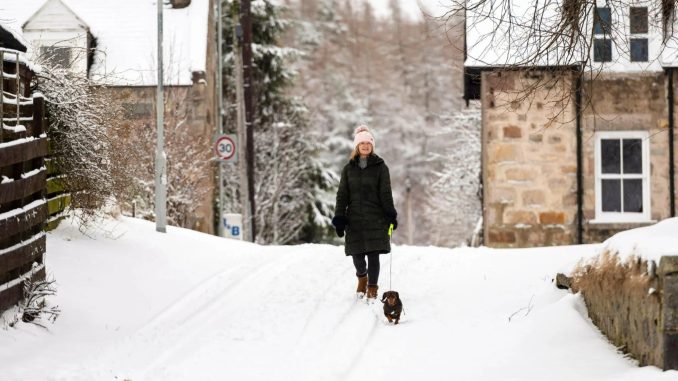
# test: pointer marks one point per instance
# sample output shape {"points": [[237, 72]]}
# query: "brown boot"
{"points": [[362, 285], [372, 291]]}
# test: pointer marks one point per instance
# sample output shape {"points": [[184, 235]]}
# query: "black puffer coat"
{"points": [[365, 200]]}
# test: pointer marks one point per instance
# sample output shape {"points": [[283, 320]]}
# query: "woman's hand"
{"points": [[392, 218], [339, 223]]}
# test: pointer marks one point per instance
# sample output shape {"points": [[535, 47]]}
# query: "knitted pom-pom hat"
{"points": [[363, 135]]}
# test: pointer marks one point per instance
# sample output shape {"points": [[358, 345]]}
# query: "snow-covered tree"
{"points": [[84, 123], [403, 77], [188, 162], [288, 177], [453, 191]]}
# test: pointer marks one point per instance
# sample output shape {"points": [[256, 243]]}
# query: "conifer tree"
{"points": [[288, 176]]}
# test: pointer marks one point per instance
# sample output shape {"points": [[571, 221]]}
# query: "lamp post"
{"points": [[160, 157], [220, 113]]}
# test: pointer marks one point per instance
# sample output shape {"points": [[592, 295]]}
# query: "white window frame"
{"points": [[602, 36], [645, 35], [622, 217]]}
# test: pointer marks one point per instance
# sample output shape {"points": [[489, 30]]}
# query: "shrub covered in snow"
{"points": [[84, 124]]}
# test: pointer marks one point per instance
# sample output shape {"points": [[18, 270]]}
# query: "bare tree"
{"points": [[542, 35]]}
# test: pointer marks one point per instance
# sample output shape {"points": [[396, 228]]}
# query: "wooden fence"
{"points": [[23, 173], [58, 198]]}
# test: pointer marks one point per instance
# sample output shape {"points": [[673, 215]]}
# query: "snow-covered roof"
{"points": [[126, 35], [493, 39], [14, 34]]}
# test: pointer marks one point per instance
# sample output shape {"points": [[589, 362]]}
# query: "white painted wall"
{"points": [[57, 25]]}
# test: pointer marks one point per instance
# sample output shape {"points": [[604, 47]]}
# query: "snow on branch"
{"points": [[84, 126]]}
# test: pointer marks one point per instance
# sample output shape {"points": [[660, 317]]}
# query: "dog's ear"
{"points": [[396, 294], [383, 297]]}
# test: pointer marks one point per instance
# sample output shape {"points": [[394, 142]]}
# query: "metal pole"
{"points": [[242, 136], [160, 170], [246, 23], [220, 114]]}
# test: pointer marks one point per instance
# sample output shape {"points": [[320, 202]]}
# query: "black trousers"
{"points": [[371, 267]]}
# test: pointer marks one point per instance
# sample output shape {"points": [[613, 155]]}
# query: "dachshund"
{"points": [[392, 306]]}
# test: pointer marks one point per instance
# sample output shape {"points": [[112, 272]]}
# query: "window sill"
{"points": [[621, 225]]}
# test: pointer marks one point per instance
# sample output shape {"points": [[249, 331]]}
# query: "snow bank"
{"points": [[143, 305], [650, 242]]}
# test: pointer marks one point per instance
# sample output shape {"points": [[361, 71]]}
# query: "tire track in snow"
{"points": [[217, 312], [322, 312], [346, 346], [171, 328]]}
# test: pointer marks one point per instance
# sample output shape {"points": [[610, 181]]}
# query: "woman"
{"points": [[364, 210]]}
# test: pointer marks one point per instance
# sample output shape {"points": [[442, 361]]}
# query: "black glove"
{"points": [[392, 218], [339, 223]]}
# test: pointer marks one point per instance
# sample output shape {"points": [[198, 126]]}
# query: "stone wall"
{"points": [[635, 306], [529, 159], [623, 102]]}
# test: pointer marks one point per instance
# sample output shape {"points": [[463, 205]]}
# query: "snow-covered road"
{"points": [[140, 305]]}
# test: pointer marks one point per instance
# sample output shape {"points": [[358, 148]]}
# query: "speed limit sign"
{"points": [[224, 148]]}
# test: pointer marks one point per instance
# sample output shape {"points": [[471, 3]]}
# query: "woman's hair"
{"points": [[356, 152]]}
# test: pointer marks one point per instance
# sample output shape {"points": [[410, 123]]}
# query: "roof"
{"points": [[493, 41], [11, 39], [126, 36], [45, 7]]}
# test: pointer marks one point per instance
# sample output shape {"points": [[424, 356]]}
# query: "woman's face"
{"points": [[365, 148]]}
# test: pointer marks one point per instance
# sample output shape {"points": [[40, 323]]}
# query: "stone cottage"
{"points": [[576, 150], [114, 42]]}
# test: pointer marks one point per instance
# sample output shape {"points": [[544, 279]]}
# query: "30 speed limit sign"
{"points": [[224, 148]]}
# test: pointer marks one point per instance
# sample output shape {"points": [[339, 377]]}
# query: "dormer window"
{"points": [[602, 23], [639, 31]]}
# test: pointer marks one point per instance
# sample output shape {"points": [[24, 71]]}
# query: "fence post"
{"points": [[38, 115], [2, 94]]}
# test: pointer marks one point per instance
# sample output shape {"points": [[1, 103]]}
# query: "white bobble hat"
{"points": [[363, 135]]}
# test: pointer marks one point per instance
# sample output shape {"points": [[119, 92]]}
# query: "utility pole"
{"points": [[160, 159], [220, 114], [240, 122], [246, 23]]}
